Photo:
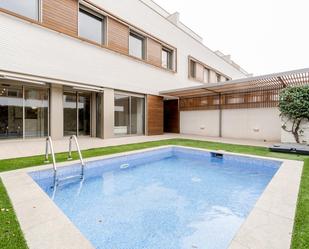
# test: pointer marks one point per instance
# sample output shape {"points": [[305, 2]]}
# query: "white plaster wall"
{"points": [[287, 137], [253, 123], [200, 123], [28, 48], [258, 124]]}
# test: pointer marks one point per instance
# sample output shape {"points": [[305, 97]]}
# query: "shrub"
{"points": [[294, 106]]}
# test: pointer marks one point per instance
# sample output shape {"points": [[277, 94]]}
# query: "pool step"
{"points": [[69, 179]]}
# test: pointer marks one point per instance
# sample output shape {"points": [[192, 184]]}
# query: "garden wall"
{"points": [[253, 123]]}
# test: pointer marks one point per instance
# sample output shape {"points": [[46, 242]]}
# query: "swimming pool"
{"points": [[169, 198]]}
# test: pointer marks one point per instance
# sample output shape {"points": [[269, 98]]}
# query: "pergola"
{"points": [[254, 92], [264, 82]]}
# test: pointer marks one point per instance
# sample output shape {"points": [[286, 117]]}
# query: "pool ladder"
{"points": [[50, 146]]}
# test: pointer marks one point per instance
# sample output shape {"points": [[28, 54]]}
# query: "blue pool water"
{"points": [[171, 198]]}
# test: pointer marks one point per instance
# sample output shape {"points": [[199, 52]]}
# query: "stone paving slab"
{"points": [[32, 147]]}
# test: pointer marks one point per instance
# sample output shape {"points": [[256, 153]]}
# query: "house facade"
{"points": [[93, 68]]}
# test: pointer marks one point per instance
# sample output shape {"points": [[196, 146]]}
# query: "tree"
{"points": [[294, 108]]}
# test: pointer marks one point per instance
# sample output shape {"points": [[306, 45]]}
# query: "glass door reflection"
{"points": [[69, 114], [11, 112], [36, 112], [137, 115], [122, 115], [76, 113], [83, 114], [129, 115]]}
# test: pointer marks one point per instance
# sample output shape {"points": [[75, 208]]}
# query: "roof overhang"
{"points": [[263, 82]]}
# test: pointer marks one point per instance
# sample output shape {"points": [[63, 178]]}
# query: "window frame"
{"points": [[96, 15], [169, 59], [38, 12], [192, 69], [143, 39]]}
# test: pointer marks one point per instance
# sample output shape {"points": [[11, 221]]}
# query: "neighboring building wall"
{"points": [[255, 123]]}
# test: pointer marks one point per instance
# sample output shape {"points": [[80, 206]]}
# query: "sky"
{"points": [[262, 36]]}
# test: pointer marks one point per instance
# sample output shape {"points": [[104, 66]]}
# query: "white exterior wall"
{"points": [[204, 123], [31, 49], [56, 111], [254, 123], [287, 137], [258, 124]]}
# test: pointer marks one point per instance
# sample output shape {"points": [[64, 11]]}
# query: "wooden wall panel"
{"points": [[171, 116], [154, 52], [61, 15], [236, 100], [199, 72], [118, 36], [154, 115]]}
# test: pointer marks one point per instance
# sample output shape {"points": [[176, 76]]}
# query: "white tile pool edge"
{"points": [[269, 225]]}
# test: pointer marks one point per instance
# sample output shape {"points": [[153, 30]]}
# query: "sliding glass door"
{"points": [[122, 115], [36, 112], [23, 111], [84, 114], [129, 115], [76, 113], [137, 115], [69, 114]]}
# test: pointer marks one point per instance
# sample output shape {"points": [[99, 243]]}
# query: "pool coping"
{"points": [[269, 224]]}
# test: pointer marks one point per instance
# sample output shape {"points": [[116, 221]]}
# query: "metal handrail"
{"points": [[79, 153], [49, 144]]}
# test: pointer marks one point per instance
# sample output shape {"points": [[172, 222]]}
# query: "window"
{"points": [[218, 77], [137, 46], [192, 69], [29, 8], [167, 59], [91, 25], [206, 75]]}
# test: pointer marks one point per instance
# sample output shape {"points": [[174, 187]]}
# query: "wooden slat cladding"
{"points": [[171, 116], [154, 115], [154, 52], [61, 15], [199, 72], [249, 99], [118, 36]]}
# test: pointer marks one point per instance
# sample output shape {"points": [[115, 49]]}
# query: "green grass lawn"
{"points": [[11, 236]]}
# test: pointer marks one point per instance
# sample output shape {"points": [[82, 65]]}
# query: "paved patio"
{"points": [[269, 224], [31, 147]]}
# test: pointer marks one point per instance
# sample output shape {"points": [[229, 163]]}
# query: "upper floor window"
{"points": [[192, 68], [167, 58], [218, 77], [91, 25], [137, 45], [27, 8]]}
